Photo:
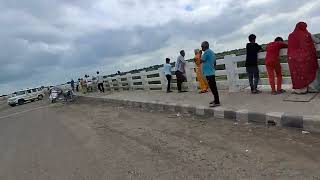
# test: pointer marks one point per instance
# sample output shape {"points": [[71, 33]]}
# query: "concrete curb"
{"points": [[280, 119]]}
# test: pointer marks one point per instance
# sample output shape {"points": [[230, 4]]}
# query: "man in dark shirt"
{"points": [[252, 63]]}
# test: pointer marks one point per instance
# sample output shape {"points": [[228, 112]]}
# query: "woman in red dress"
{"points": [[303, 61]]}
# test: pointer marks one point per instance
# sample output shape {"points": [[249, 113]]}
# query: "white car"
{"points": [[25, 95], [37, 93]]}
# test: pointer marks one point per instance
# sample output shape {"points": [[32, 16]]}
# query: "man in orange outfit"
{"points": [[202, 82], [273, 64]]}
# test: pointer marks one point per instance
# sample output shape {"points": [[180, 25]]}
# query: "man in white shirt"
{"points": [[88, 82], [100, 82], [181, 70], [167, 72]]}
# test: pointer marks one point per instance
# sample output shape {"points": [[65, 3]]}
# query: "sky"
{"points": [[45, 42]]}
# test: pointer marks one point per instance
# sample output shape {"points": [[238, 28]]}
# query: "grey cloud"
{"points": [[43, 22], [122, 42], [14, 73]]}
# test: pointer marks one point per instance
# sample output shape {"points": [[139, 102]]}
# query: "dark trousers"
{"points": [[169, 82], [253, 76], [213, 87], [77, 88], [100, 87], [180, 79]]}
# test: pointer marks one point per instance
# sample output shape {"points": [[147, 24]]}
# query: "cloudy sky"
{"points": [[44, 42]]}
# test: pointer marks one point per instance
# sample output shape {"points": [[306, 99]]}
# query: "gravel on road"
{"points": [[95, 141]]}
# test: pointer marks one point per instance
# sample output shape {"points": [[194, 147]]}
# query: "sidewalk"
{"points": [[261, 103], [243, 106]]}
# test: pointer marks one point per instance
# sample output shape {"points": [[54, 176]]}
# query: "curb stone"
{"points": [[259, 118], [153, 105], [274, 117], [171, 107], [219, 112], [280, 119], [290, 120], [311, 123], [242, 115], [229, 114], [209, 112], [200, 110]]}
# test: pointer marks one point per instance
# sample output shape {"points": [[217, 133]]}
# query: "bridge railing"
{"points": [[230, 75]]}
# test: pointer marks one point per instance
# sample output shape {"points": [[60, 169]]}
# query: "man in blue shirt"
{"points": [[208, 60]]}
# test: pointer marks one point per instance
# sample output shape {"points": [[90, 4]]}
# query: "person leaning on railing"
{"points": [[273, 64]]}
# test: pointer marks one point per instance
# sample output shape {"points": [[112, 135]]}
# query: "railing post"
{"points": [[130, 82], [163, 79], [190, 77], [105, 82], [109, 80], [232, 75], [144, 79], [118, 80]]}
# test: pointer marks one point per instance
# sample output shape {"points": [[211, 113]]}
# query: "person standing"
{"points": [[202, 82], [208, 61], [78, 85], [303, 61], [72, 84], [89, 83], [100, 82], [83, 86], [181, 70], [167, 72], [252, 63], [273, 64]]}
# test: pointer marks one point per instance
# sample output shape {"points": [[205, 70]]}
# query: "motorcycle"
{"points": [[54, 95], [58, 94], [69, 96]]}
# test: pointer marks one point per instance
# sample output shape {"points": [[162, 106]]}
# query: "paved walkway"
{"points": [[261, 103]]}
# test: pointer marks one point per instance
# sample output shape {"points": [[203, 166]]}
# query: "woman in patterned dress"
{"points": [[303, 61], [202, 82]]}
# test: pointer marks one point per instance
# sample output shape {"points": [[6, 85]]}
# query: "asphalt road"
{"points": [[40, 141]]}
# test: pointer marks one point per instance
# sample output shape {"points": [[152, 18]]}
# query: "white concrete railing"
{"points": [[229, 78]]}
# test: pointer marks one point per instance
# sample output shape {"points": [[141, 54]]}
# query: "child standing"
{"points": [[273, 64], [167, 71], [252, 63]]}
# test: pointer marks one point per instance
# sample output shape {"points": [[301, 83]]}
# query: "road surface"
{"points": [[39, 141]]}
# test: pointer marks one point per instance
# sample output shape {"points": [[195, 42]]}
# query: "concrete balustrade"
{"points": [[155, 79]]}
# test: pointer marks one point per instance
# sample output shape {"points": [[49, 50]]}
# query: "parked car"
{"points": [[24, 96], [37, 93]]}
